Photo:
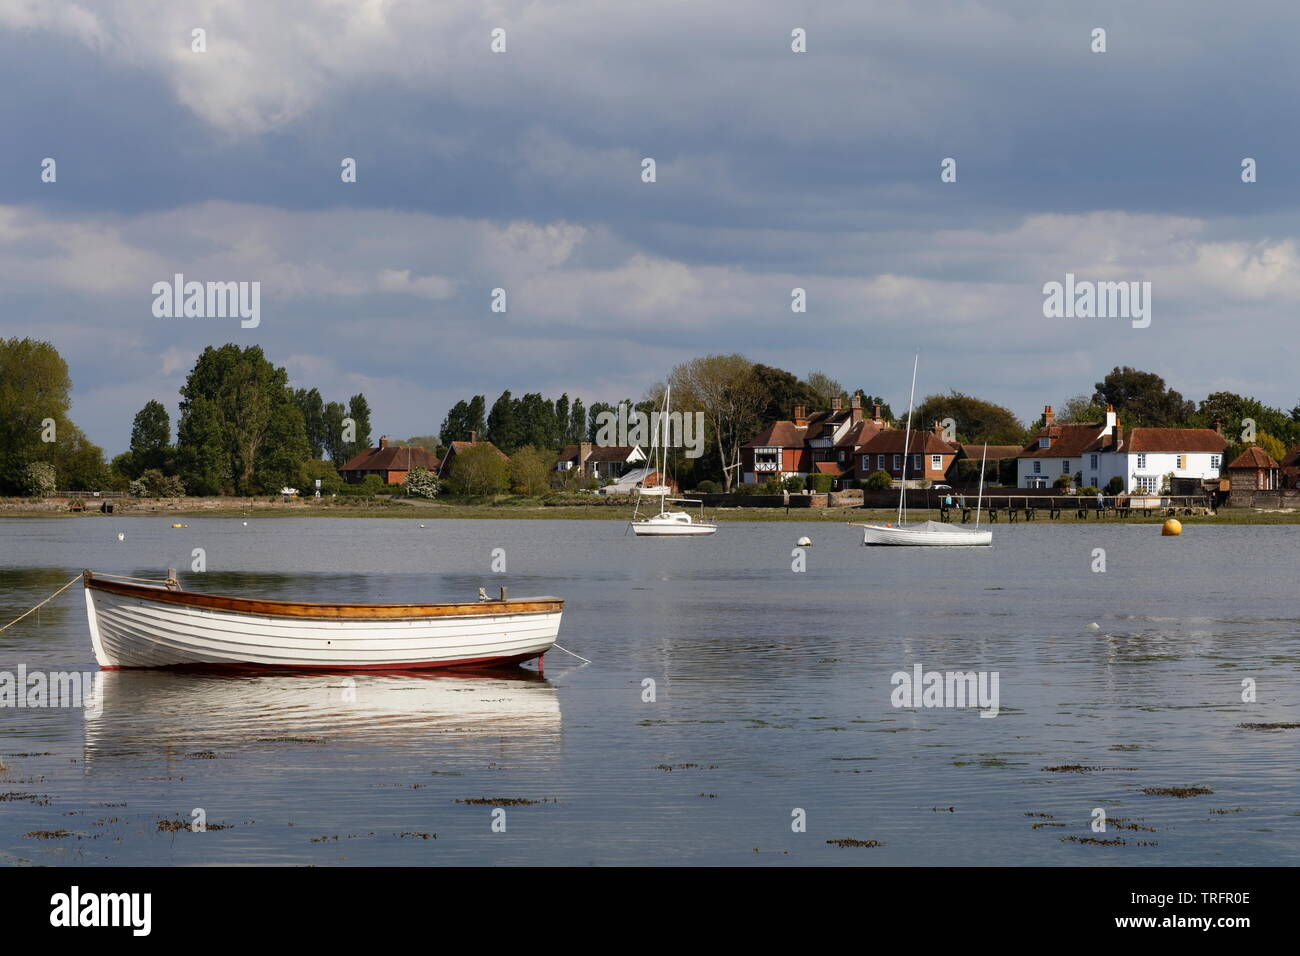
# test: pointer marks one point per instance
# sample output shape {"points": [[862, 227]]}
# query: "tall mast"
{"points": [[980, 499], [907, 438]]}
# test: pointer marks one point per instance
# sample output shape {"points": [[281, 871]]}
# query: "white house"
{"points": [[1096, 452]]}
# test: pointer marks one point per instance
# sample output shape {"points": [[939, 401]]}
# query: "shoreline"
{"points": [[534, 509]]}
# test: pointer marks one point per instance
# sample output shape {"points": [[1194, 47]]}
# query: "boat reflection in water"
{"points": [[150, 714]]}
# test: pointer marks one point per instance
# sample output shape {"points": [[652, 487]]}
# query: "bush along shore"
{"points": [[563, 506]]}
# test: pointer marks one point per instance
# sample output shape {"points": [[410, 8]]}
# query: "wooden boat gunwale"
{"points": [[162, 593]]}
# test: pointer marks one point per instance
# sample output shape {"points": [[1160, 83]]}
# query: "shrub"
{"points": [[421, 483], [743, 490], [820, 483], [772, 486], [373, 485], [1064, 481], [40, 479], [529, 470], [794, 483], [878, 481], [478, 470], [138, 489], [1088, 490], [1115, 486], [707, 487]]}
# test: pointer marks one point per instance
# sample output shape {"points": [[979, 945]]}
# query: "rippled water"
{"points": [[772, 693]]}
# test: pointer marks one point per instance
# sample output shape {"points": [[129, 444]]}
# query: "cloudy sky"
{"points": [[775, 170]]}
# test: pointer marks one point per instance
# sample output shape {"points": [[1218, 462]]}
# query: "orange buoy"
{"points": [[1172, 528]]}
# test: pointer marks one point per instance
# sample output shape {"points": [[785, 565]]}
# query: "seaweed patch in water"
{"points": [[1080, 768], [847, 842], [1276, 726], [48, 834], [1179, 792], [505, 801]]}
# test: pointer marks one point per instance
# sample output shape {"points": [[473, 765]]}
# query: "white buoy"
{"points": [[121, 536], [804, 542], [245, 524], [1094, 626], [421, 526]]}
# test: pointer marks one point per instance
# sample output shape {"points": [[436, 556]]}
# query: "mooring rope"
{"points": [[571, 654], [42, 604]]}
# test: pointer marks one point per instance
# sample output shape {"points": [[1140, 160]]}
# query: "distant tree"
{"points": [[427, 442], [240, 429], [530, 471], [977, 420], [1082, 409], [1270, 446], [1144, 396], [456, 426], [478, 470], [593, 423], [502, 424], [332, 433], [151, 434], [35, 398], [731, 399], [577, 423], [824, 389], [359, 412], [1232, 410], [783, 391], [311, 405], [330, 480], [560, 427]]}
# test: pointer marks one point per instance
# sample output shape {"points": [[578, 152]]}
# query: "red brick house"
{"points": [[823, 442], [392, 463], [926, 456]]}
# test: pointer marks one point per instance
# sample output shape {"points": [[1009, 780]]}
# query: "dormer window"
{"points": [[1044, 442]]}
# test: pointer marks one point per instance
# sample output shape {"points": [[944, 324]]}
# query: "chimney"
{"points": [[584, 452], [1049, 416], [837, 404], [801, 414], [473, 436], [875, 415], [383, 441], [936, 427], [855, 411], [1218, 426]]}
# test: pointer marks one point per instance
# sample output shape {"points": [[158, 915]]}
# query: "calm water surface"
{"points": [[772, 693]]}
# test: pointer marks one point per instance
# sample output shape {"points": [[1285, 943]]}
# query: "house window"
{"points": [[866, 462], [841, 456], [1093, 460], [1182, 462], [1147, 484], [936, 462], [880, 462], [1142, 461], [1044, 442], [916, 463], [898, 462], [1065, 466], [1038, 467], [1214, 461], [767, 459]]}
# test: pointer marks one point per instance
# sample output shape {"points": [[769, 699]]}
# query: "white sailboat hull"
{"points": [[671, 528], [922, 537], [129, 630]]}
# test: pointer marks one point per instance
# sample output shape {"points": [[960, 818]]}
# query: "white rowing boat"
{"points": [[151, 624]]}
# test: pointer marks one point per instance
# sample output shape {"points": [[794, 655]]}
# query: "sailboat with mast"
{"points": [[934, 534], [666, 523]]}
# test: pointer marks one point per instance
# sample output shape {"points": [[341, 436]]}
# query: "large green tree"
{"points": [[151, 434], [977, 420], [34, 426], [1145, 397], [240, 429]]}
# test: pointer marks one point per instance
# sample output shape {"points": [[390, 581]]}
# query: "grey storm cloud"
{"points": [[522, 171]]}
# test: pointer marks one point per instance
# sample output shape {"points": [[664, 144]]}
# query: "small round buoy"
{"points": [[1094, 626], [421, 526], [804, 542], [245, 524], [121, 536], [1172, 527]]}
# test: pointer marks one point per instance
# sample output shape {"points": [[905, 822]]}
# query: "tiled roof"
{"points": [[1174, 440], [779, 435], [975, 452], [1067, 441], [611, 453], [891, 441], [1254, 457], [859, 434], [392, 458], [828, 467]]}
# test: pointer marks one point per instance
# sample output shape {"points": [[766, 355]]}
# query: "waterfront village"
{"points": [[849, 447]]}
